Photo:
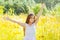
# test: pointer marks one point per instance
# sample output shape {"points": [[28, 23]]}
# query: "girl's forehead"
{"points": [[32, 16]]}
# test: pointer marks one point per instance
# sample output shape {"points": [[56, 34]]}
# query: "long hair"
{"points": [[28, 18]]}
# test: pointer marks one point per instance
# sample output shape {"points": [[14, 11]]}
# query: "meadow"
{"points": [[48, 28]]}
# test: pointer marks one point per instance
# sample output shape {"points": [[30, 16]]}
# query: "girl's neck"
{"points": [[30, 23]]}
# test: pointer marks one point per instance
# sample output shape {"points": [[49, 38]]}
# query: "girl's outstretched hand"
{"points": [[43, 5], [39, 13], [5, 17]]}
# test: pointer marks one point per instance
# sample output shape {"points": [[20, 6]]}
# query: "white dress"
{"points": [[30, 32]]}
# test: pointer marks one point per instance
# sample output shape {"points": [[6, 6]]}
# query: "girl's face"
{"points": [[31, 20]]}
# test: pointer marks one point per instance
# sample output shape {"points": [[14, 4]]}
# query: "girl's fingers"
{"points": [[5, 18], [43, 5]]}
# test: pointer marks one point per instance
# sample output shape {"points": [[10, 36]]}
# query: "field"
{"points": [[48, 28]]}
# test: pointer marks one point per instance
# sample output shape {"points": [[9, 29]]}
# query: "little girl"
{"points": [[29, 26]]}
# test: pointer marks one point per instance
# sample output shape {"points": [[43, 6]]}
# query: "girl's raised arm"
{"points": [[22, 24], [39, 13]]}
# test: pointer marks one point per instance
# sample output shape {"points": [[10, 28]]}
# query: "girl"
{"points": [[29, 26]]}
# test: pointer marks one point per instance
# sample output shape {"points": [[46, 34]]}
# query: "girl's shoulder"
{"points": [[26, 24]]}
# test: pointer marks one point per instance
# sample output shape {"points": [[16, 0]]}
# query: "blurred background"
{"points": [[48, 27]]}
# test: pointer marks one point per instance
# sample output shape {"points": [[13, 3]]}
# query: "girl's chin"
{"points": [[31, 22]]}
